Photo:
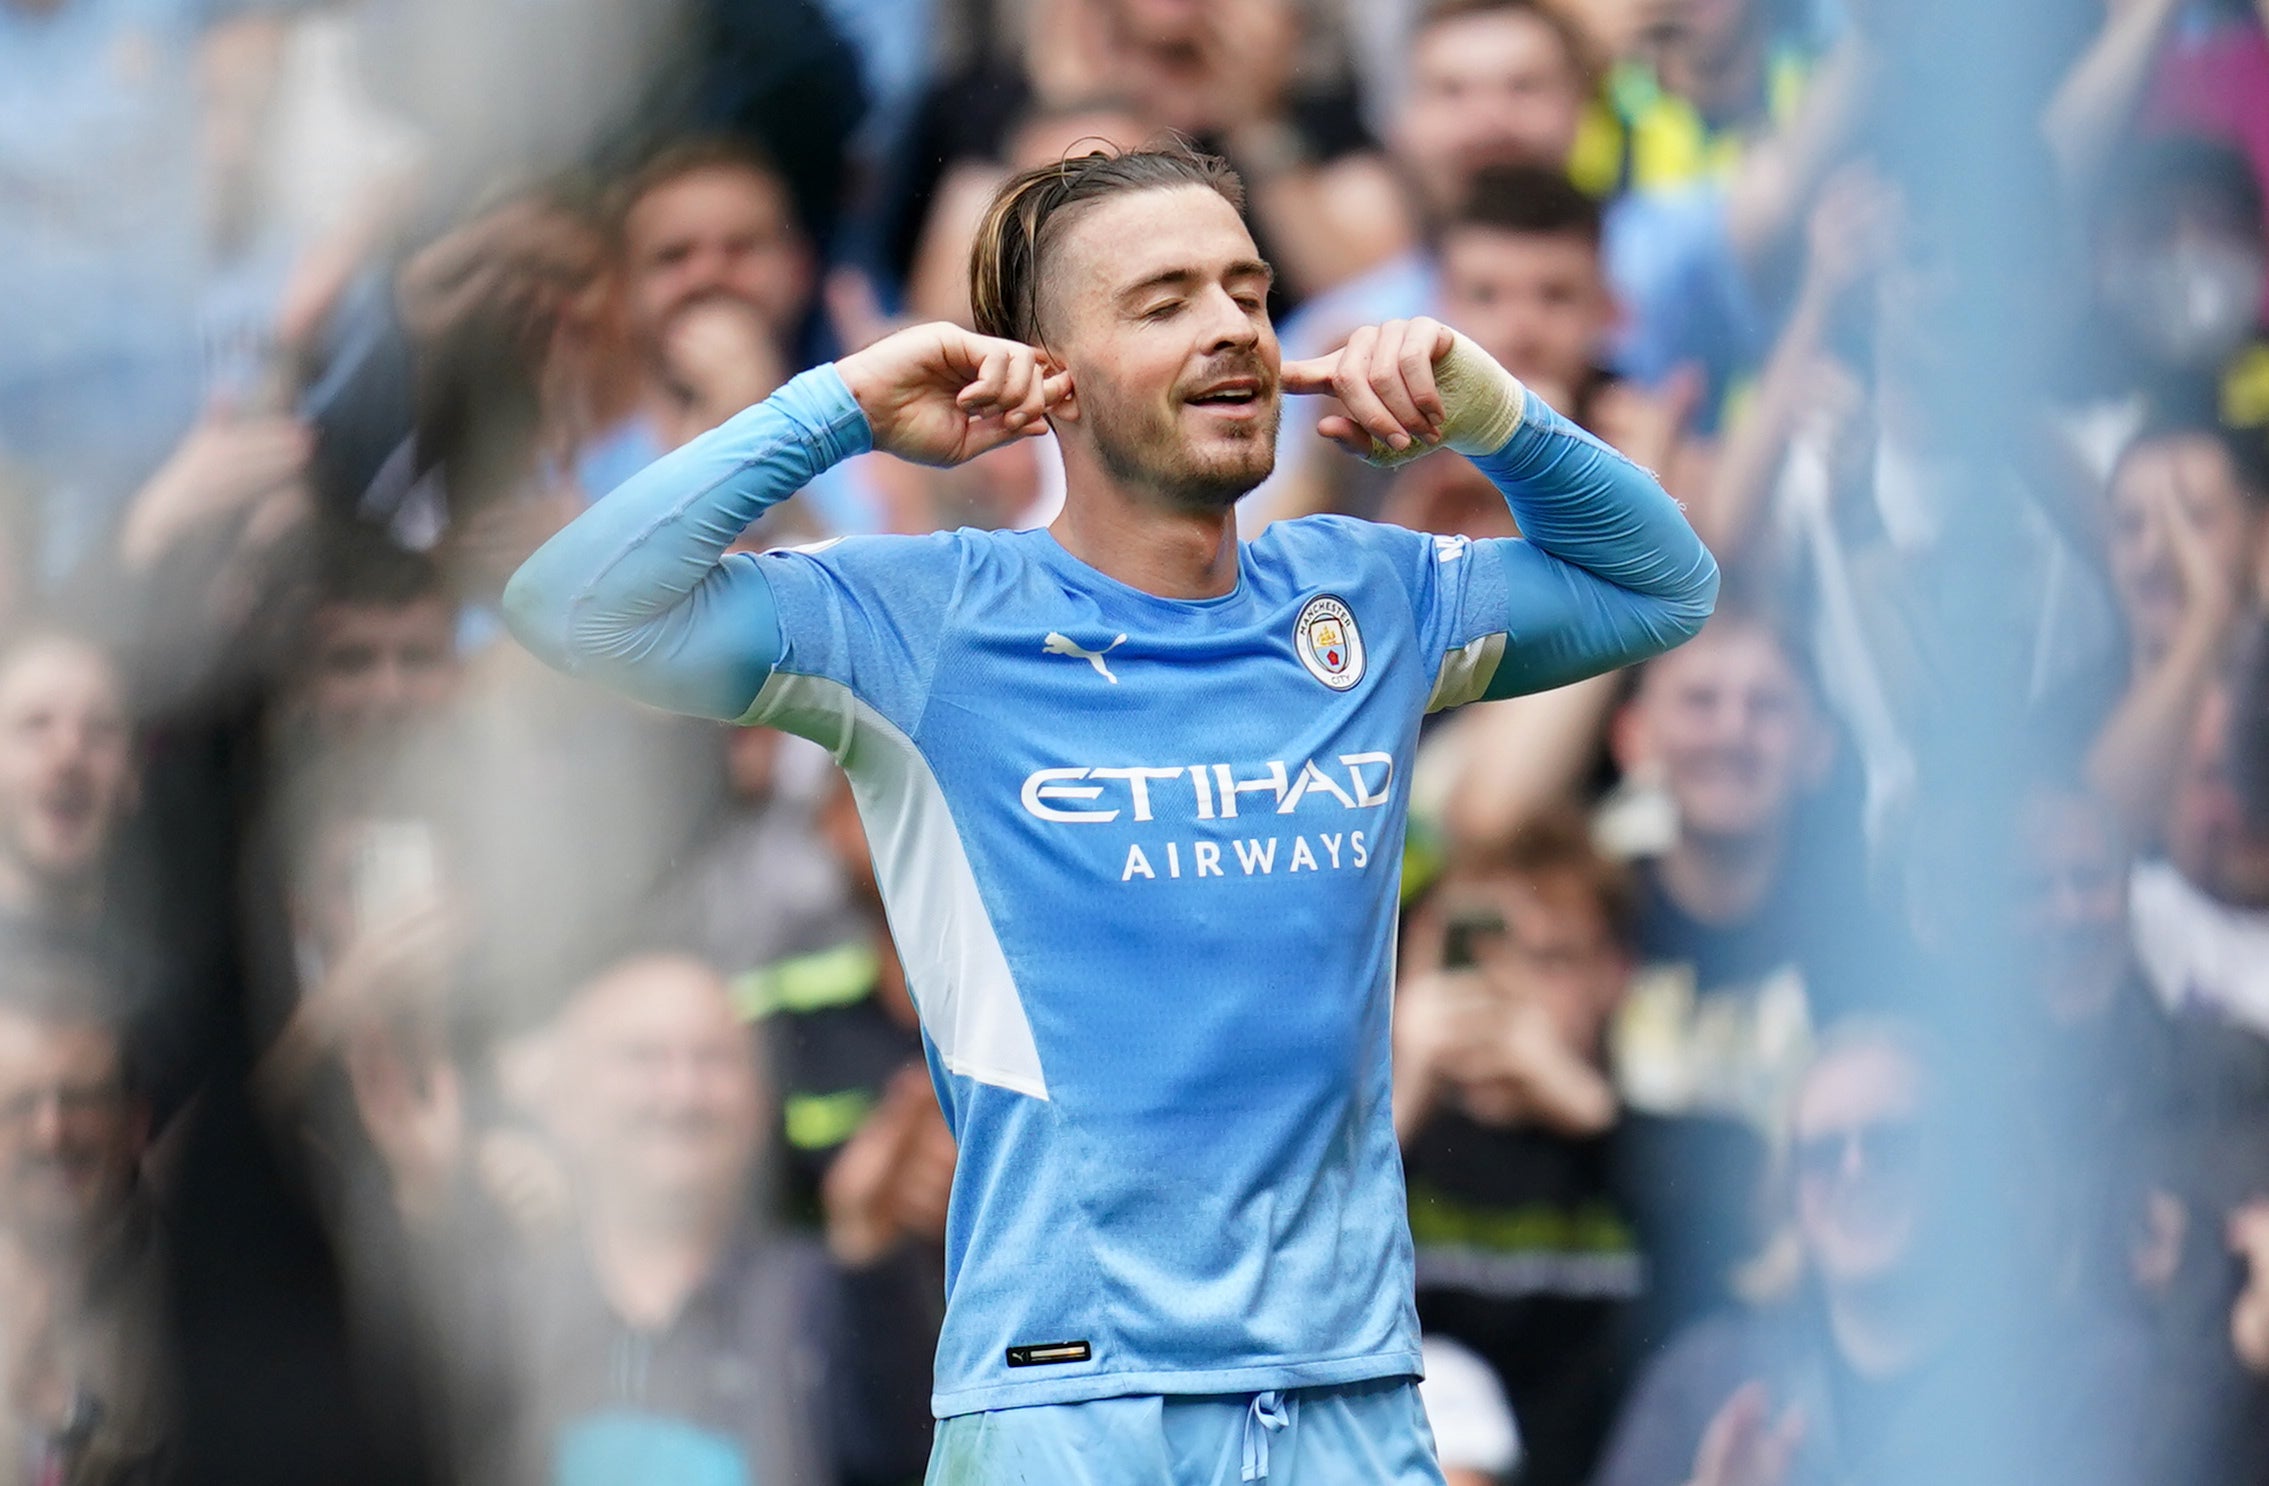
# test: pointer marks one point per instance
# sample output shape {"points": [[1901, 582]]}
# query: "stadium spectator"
{"points": [[752, 1362], [68, 781], [717, 279], [1753, 928], [1706, 79], [379, 654], [1845, 1380], [2189, 545], [83, 1311], [1744, 943], [513, 319], [1525, 1255], [1491, 83], [2178, 254], [1519, 269], [2202, 911], [1325, 207]]}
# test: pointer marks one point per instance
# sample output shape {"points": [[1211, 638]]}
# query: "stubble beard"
{"points": [[1151, 454]]}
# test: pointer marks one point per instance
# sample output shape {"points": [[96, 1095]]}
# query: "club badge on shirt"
{"points": [[1329, 644]]}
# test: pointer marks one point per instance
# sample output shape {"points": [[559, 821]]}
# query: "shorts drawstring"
{"points": [[1268, 1414]]}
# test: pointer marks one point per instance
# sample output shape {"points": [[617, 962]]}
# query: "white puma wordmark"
{"points": [[1061, 645]]}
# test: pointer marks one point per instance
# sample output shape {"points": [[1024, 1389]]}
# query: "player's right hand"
{"points": [[938, 394]]}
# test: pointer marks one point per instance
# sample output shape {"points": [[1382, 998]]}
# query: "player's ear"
{"points": [[1065, 408]]}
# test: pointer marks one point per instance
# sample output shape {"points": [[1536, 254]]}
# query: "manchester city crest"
{"points": [[1329, 644]]}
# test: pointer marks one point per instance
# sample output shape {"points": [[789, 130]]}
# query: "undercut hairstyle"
{"points": [[1533, 200], [1558, 844], [1029, 213], [692, 155], [1575, 43]]}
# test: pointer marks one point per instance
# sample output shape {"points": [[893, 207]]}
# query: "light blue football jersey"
{"points": [[1141, 858]]}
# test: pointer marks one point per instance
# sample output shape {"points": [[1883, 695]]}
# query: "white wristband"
{"points": [[1483, 403]]}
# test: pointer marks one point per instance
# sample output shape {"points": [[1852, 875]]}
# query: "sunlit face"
{"points": [[2194, 471], [70, 1133], [374, 668], [66, 760], [2072, 905], [1157, 302], [668, 1105], [721, 230], [1730, 722], [1862, 1156], [1538, 303], [1498, 88]]}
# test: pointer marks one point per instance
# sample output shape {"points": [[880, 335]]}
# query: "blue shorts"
{"points": [[1353, 1434]]}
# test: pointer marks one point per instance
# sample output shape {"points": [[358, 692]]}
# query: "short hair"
{"points": [[1029, 212], [360, 566], [1534, 200], [2246, 449], [1559, 842], [2149, 181], [59, 981], [1575, 43], [1751, 609], [692, 155]]}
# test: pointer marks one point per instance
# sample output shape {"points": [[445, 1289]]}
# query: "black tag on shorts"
{"points": [[1041, 1354]]}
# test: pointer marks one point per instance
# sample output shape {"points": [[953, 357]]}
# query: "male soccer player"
{"points": [[1135, 792]]}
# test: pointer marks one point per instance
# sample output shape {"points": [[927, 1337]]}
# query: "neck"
{"points": [[650, 1257], [1174, 552], [1719, 879], [1883, 1330]]}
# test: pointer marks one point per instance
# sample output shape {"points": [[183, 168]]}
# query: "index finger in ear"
{"points": [[1311, 375]]}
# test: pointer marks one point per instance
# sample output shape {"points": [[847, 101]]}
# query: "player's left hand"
{"points": [[1384, 378]]}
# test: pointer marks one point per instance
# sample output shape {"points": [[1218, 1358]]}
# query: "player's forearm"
{"points": [[637, 591], [1606, 571]]}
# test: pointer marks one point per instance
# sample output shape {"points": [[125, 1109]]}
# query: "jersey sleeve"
{"points": [[1606, 571], [639, 593], [862, 621]]}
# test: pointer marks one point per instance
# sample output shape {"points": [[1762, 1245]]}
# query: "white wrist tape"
{"points": [[1482, 400]]}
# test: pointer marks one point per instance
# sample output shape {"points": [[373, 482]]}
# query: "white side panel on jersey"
{"points": [[955, 969], [1466, 672]]}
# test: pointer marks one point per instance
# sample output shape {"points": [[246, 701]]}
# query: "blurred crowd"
{"points": [[417, 1067]]}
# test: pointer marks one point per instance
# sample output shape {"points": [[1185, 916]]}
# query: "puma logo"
{"points": [[1060, 645]]}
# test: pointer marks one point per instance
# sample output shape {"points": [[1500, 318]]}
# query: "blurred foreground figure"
{"points": [[84, 1359]]}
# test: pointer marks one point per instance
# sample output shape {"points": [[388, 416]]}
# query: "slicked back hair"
{"points": [[1030, 211]]}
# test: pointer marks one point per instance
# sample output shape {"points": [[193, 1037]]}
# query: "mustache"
{"points": [[1238, 364]]}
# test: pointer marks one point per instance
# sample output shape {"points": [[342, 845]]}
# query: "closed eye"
{"points": [[1161, 311]]}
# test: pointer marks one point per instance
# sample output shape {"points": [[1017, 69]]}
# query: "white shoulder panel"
{"points": [[954, 965], [1466, 672]]}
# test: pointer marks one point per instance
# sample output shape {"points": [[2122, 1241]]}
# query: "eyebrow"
{"points": [[1182, 278]]}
